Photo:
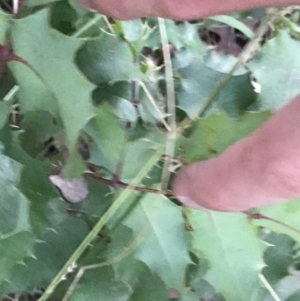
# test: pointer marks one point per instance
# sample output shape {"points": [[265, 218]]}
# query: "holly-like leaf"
{"points": [[51, 55], [49, 256], [16, 239], [197, 82], [277, 88], [138, 151], [13, 250], [38, 127], [109, 138], [107, 59], [149, 288], [233, 250], [164, 246], [278, 257], [211, 136], [100, 284]]}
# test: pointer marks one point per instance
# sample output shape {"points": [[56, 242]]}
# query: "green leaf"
{"points": [[132, 29], [41, 99], [13, 250], [16, 240], [213, 135], [14, 205], [5, 109], [164, 246], [198, 81], [286, 213], [234, 23], [277, 70], [294, 297], [154, 40], [4, 25], [107, 59], [233, 250], [286, 288], [63, 17], [35, 185], [278, 257], [100, 284], [51, 55], [99, 199], [38, 127], [149, 288], [108, 136], [139, 151], [50, 255]]}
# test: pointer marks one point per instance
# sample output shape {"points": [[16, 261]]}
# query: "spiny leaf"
{"points": [[164, 247], [109, 137], [278, 257], [16, 240], [107, 59], [197, 82], [100, 284], [213, 135], [51, 55], [14, 205], [233, 250], [13, 250], [277, 88], [50, 255]]}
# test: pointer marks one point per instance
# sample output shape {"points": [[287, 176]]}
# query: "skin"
{"points": [[262, 169], [177, 9]]}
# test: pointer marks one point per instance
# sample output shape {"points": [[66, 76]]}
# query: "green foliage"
{"points": [[231, 246], [87, 99], [280, 86]]}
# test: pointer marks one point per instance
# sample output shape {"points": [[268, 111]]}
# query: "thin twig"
{"points": [[268, 286], [171, 105], [119, 184], [15, 7], [261, 216], [155, 106], [125, 253], [87, 26], [108, 24]]}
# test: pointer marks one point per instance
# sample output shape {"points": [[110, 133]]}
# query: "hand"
{"points": [[259, 170], [176, 9]]}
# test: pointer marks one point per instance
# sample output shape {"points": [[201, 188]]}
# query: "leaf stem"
{"points": [[261, 216], [87, 26], [171, 105], [119, 184]]}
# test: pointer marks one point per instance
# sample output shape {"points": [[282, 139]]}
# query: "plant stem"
{"points": [[101, 223], [171, 105], [119, 184], [261, 216]]}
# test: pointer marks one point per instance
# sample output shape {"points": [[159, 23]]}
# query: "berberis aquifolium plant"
{"points": [[98, 115]]}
